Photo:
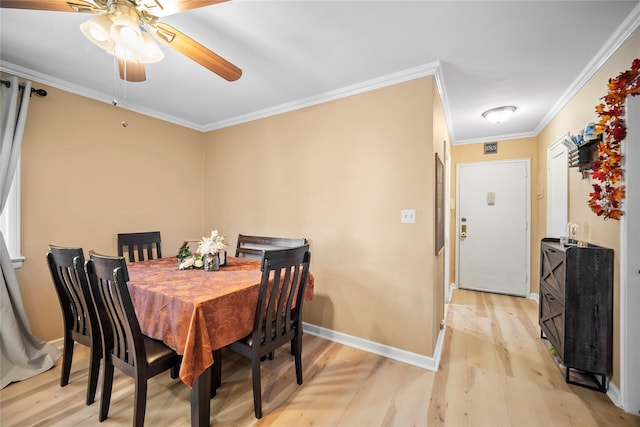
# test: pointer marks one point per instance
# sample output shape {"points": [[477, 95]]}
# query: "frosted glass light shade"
{"points": [[97, 30], [149, 51], [500, 114], [125, 31]]}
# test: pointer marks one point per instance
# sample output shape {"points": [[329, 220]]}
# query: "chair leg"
{"points": [[293, 350], [67, 356], [257, 390], [216, 372], [175, 372], [94, 370], [140, 401], [107, 384], [296, 345]]}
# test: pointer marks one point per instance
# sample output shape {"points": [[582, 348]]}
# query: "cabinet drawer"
{"points": [[552, 320], [552, 272]]}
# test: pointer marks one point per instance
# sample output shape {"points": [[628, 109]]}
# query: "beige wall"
{"points": [[338, 174], [573, 118], [85, 178], [356, 161], [524, 148]]}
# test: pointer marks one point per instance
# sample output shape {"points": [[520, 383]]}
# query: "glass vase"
{"points": [[211, 262]]}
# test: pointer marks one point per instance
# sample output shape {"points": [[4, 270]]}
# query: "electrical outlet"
{"points": [[408, 216]]}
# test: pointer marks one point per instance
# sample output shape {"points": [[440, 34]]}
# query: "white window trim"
{"points": [[11, 221]]}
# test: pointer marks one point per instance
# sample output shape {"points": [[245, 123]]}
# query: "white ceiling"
{"points": [[531, 54]]}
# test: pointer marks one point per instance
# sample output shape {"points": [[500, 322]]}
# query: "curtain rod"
{"points": [[39, 92]]}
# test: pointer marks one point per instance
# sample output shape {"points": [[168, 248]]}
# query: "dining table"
{"points": [[197, 313]]}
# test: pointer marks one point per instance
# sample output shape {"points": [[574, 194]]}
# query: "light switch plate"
{"points": [[408, 216]]}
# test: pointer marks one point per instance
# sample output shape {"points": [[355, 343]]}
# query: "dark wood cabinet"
{"points": [[576, 309]]}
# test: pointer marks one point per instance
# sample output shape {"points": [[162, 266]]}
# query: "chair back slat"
{"points": [[140, 246]]}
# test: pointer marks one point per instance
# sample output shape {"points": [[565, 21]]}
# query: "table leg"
{"points": [[217, 369], [200, 401]]}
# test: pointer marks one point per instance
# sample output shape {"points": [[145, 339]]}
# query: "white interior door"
{"points": [[558, 188], [630, 265], [492, 226]]}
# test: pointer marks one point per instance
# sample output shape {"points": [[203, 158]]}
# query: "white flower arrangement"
{"points": [[211, 244]]}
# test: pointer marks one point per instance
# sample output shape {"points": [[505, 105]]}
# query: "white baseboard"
{"points": [[534, 297], [429, 363], [425, 362], [613, 392]]}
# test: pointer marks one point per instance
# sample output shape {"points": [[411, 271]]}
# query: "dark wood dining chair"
{"points": [[253, 247], [140, 244], [278, 318], [78, 312], [125, 347]]}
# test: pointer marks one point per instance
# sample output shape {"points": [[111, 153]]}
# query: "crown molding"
{"points": [[624, 31], [26, 73], [501, 137], [366, 86]]}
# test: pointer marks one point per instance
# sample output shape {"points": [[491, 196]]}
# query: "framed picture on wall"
{"points": [[439, 205]]}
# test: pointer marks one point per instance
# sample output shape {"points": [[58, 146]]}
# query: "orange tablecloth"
{"points": [[194, 311]]}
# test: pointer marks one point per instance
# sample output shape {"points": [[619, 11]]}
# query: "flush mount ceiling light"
{"points": [[500, 114]]}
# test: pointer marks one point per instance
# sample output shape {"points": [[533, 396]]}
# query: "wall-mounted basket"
{"points": [[583, 156]]}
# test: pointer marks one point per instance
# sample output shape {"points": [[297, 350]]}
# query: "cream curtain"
{"points": [[21, 354]]}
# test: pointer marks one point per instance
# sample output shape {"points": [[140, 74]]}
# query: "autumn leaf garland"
{"points": [[606, 198]]}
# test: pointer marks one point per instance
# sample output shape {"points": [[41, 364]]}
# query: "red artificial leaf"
{"points": [[615, 214], [618, 193]]}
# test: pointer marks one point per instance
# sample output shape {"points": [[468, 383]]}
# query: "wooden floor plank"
{"points": [[494, 371]]}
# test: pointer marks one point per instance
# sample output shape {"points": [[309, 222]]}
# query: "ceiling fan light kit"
{"points": [[119, 32], [124, 29], [499, 114]]}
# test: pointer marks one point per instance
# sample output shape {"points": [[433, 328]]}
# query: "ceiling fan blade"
{"points": [[194, 50], [53, 5], [131, 71], [162, 8]]}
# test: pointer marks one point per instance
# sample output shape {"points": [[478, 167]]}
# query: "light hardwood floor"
{"points": [[494, 371]]}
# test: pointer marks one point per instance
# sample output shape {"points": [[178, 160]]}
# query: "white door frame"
{"points": [[564, 143], [528, 218], [629, 314], [447, 224]]}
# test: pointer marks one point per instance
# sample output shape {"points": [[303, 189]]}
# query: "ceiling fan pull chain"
{"points": [[124, 96], [115, 71], [115, 86]]}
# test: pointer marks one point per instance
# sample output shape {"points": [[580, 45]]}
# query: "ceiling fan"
{"points": [[127, 28]]}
